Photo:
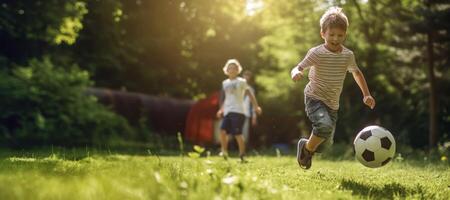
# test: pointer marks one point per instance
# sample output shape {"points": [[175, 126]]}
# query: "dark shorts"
{"points": [[323, 120], [232, 123]]}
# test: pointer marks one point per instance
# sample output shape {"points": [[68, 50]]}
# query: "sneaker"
{"points": [[303, 155], [224, 155], [242, 159]]}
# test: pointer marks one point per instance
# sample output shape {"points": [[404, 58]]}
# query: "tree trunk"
{"points": [[433, 123]]}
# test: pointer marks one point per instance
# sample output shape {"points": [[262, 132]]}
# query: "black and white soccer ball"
{"points": [[374, 146]]}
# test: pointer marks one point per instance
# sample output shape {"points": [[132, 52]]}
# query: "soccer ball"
{"points": [[374, 146]]}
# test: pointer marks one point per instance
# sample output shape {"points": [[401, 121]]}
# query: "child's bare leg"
{"points": [[313, 142], [224, 142], [241, 144]]}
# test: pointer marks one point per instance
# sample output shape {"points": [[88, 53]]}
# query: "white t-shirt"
{"points": [[234, 95]]}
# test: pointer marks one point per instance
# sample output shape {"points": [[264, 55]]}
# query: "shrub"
{"points": [[43, 104]]}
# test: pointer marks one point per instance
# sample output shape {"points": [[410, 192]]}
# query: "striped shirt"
{"points": [[327, 73]]}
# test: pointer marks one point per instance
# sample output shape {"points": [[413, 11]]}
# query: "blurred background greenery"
{"points": [[51, 51]]}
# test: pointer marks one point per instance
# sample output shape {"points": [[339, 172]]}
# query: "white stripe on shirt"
{"points": [[327, 73]]}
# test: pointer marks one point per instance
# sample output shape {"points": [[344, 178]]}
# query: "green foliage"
{"points": [[396, 67], [198, 150], [30, 29], [70, 26], [177, 48], [289, 35], [44, 104]]}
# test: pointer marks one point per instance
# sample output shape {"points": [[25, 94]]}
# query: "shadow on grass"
{"points": [[387, 191]]}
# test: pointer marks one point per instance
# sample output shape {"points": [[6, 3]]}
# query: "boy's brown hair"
{"points": [[333, 18]]}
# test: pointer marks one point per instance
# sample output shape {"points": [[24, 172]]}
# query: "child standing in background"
{"points": [[251, 118], [234, 89]]}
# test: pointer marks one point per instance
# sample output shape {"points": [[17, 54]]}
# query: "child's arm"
{"points": [[296, 74], [219, 113], [255, 105], [361, 81], [309, 60], [254, 117]]}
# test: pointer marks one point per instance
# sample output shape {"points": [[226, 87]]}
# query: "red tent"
{"points": [[200, 120]]}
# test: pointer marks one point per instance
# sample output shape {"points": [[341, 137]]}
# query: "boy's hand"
{"points": [[296, 74], [258, 110], [219, 113], [369, 101]]}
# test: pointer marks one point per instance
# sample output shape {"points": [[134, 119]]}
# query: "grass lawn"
{"points": [[75, 175]]}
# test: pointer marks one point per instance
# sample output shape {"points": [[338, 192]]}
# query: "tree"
{"points": [[31, 29], [427, 22]]}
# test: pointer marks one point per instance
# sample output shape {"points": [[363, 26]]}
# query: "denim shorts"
{"points": [[323, 120], [232, 123]]}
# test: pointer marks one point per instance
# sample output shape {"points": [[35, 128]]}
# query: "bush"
{"points": [[42, 105]]}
